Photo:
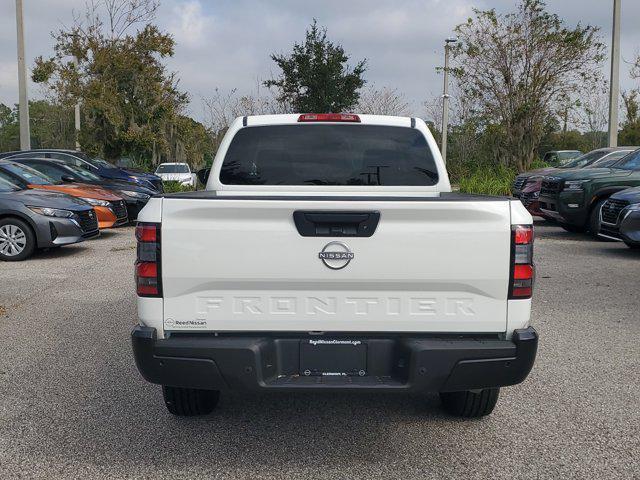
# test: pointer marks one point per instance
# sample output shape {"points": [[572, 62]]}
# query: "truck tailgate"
{"points": [[432, 265]]}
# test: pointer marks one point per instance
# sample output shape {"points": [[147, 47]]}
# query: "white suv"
{"points": [[176, 172]]}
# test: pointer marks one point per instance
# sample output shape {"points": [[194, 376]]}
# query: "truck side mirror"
{"points": [[203, 175]]}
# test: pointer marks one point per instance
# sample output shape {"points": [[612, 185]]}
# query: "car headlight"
{"points": [[140, 195], [575, 185], [634, 207], [52, 212], [96, 202]]}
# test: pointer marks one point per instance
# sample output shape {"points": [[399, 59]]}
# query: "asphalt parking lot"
{"points": [[73, 404]]}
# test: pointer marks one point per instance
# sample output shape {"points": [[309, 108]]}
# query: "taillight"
{"points": [[522, 269], [148, 275], [329, 117]]}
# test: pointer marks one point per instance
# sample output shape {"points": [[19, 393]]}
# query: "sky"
{"points": [[226, 44]]}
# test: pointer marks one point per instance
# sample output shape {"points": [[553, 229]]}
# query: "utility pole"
{"points": [[23, 99], [77, 112], [614, 85], [445, 97]]}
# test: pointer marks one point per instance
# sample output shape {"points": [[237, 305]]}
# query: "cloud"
{"points": [[191, 24], [227, 43]]}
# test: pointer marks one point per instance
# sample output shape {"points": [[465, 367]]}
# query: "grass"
{"points": [[484, 179], [176, 187]]}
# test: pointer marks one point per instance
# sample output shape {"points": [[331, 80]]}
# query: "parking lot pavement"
{"points": [[73, 405]]}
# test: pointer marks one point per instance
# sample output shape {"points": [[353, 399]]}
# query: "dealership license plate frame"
{"points": [[333, 357]]}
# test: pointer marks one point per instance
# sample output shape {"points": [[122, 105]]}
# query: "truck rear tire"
{"points": [[187, 402], [470, 404]]}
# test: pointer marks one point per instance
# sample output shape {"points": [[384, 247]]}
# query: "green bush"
{"points": [[176, 187], [486, 180]]}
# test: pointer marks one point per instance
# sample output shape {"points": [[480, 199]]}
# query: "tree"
{"points": [[593, 116], [51, 124], [386, 101], [315, 77], [129, 101], [223, 107], [518, 69], [630, 133]]}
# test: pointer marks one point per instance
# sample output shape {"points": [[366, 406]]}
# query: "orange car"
{"points": [[111, 210]]}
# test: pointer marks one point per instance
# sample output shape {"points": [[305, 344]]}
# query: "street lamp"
{"points": [[448, 43]]}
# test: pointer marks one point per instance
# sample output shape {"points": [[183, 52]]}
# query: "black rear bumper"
{"points": [[416, 364]]}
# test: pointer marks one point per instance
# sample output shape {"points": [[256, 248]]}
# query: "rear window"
{"points": [[329, 155]]}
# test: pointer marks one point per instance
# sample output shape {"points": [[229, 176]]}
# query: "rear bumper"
{"points": [[402, 363]]}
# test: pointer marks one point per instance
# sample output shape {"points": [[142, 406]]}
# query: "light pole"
{"points": [[76, 112], [445, 97], [614, 84], [23, 99]]}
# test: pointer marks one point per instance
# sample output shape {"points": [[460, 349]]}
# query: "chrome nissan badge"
{"points": [[336, 255]]}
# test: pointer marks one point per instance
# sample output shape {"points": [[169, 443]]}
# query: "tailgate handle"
{"points": [[336, 224]]}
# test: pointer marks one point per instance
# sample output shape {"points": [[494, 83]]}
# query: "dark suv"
{"points": [[594, 158], [574, 197], [620, 217]]}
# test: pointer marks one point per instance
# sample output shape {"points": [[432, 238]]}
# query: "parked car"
{"points": [[176, 172], [620, 217], [96, 165], [574, 197], [556, 158], [110, 209], [328, 253], [530, 194], [135, 196], [31, 219], [606, 155]]}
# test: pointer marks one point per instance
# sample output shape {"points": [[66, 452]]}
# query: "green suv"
{"points": [[574, 197]]}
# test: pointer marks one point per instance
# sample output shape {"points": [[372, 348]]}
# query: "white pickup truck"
{"points": [[328, 253]]}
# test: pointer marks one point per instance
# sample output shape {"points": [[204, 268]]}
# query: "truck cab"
{"points": [[327, 252]]}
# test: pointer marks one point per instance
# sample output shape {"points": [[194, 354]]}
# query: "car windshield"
{"points": [[7, 186], [585, 159], [173, 168], [83, 174], [95, 161], [101, 162], [629, 162], [329, 155], [29, 175], [568, 155], [609, 160]]}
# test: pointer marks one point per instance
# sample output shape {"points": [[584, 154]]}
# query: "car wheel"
{"points": [[594, 218], [186, 402], [470, 404], [572, 228], [17, 240]]}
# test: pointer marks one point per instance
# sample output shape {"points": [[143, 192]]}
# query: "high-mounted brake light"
{"points": [[148, 275], [329, 117], [522, 269]]}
